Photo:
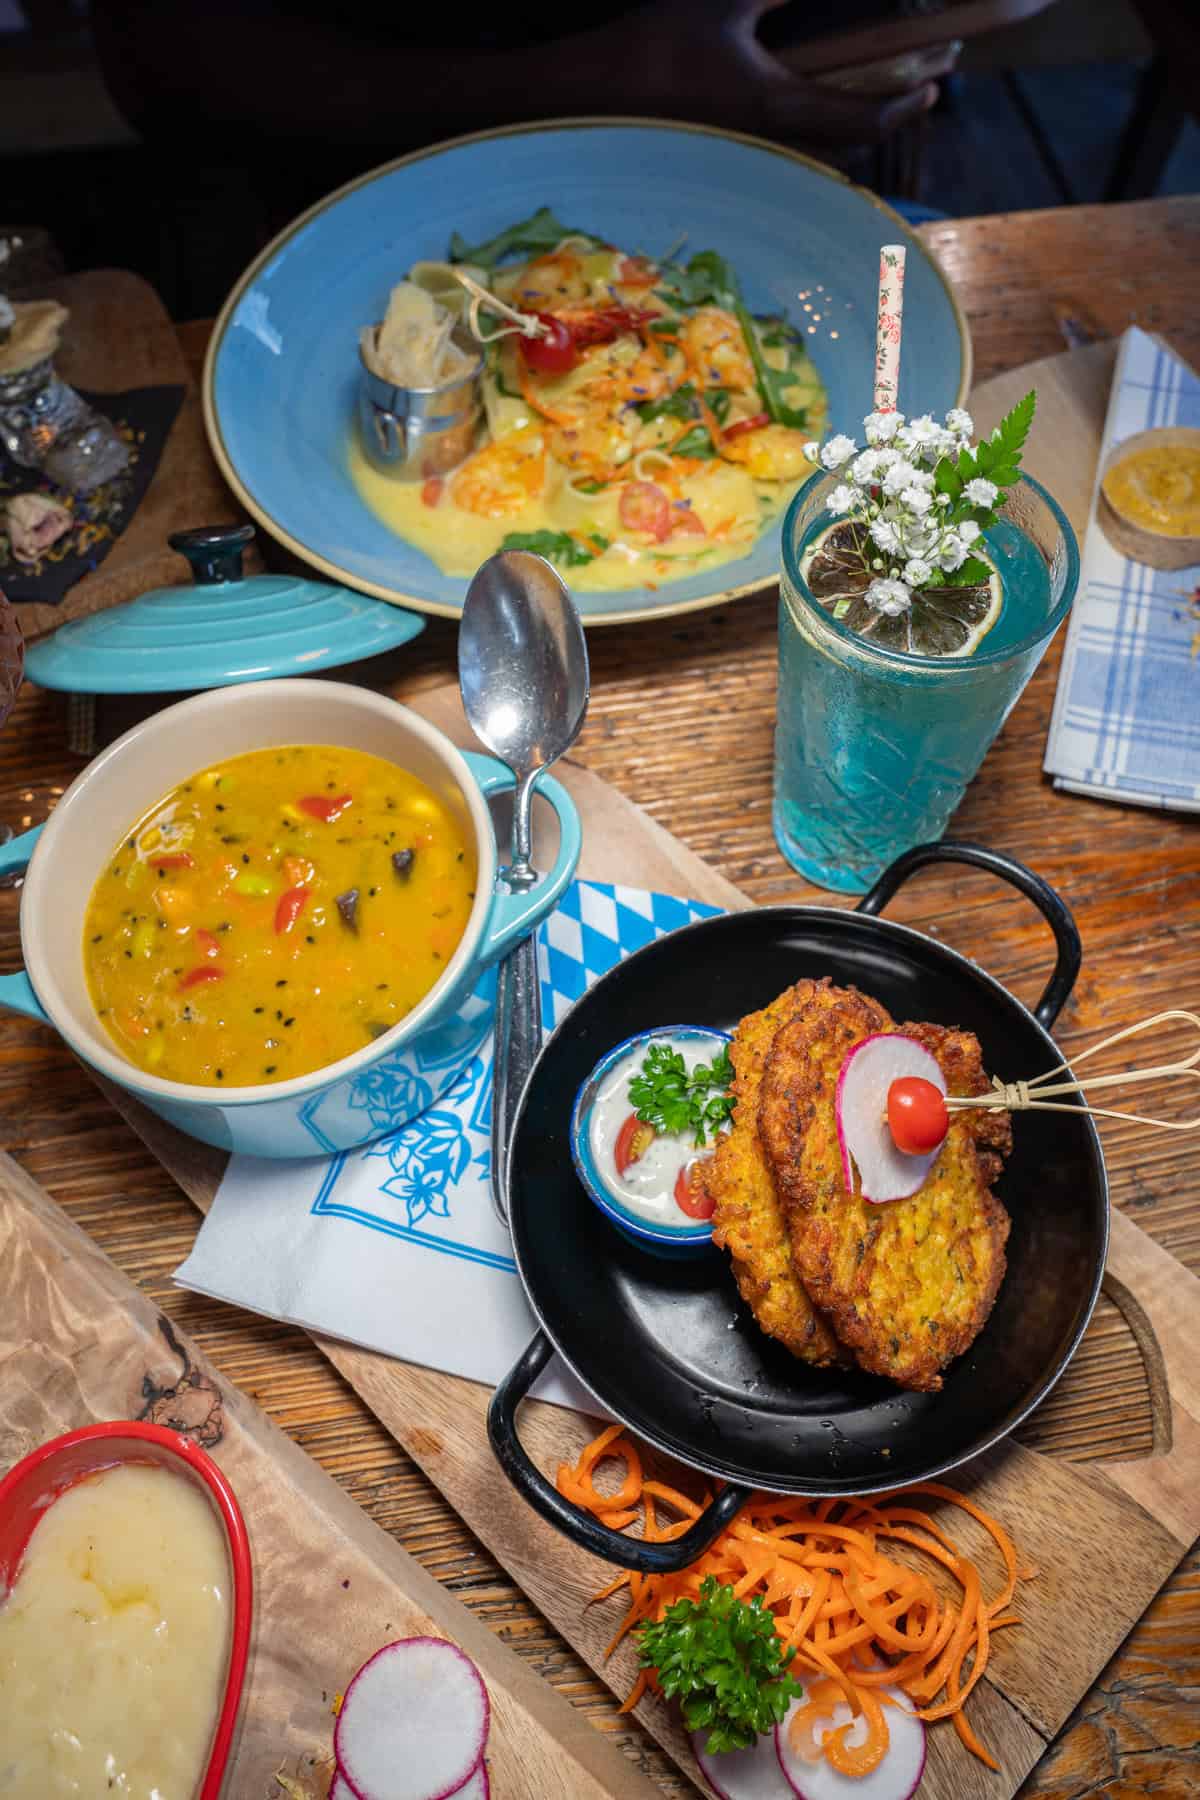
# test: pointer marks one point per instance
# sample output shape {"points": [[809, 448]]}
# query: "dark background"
{"points": [[1090, 100]]}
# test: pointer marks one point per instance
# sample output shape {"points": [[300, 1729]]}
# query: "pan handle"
{"points": [[572, 1521], [1052, 907]]}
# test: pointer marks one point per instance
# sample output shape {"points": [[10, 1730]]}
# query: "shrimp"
{"points": [[626, 371], [772, 453], [504, 476], [593, 444], [551, 282], [716, 350]]}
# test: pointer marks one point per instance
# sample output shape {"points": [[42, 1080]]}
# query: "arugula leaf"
{"points": [[534, 236], [679, 405], [557, 546], [721, 1658], [772, 383], [666, 1096], [706, 280], [696, 444]]}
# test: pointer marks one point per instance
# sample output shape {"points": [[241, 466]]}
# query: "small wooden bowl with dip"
{"points": [[29, 1494], [1149, 501]]}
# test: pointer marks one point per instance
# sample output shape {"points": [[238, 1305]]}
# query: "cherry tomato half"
{"points": [[633, 1140], [740, 427], [553, 353], [685, 522], [691, 1195], [917, 1115], [645, 507]]}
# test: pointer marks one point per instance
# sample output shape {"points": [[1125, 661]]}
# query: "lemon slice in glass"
{"points": [[942, 621]]}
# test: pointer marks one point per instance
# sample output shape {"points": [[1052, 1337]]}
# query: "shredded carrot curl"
{"points": [[854, 1617]]}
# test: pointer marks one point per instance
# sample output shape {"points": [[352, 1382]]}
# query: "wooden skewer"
{"points": [[1040, 1093]]}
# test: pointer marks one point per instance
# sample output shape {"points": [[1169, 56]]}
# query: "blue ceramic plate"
{"points": [[280, 378]]}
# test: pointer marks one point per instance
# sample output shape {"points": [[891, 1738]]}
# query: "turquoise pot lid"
{"points": [[224, 628]]}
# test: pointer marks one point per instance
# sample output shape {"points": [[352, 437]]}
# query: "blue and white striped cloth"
{"points": [[1126, 723]]}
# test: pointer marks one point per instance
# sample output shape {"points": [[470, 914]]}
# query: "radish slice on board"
{"points": [[897, 1777], [752, 1774], [861, 1106], [475, 1787], [413, 1724]]}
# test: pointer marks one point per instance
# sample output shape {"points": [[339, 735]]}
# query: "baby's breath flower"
{"points": [[837, 451], [924, 431], [884, 533], [917, 571], [960, 422], [864, 470], [952, 552], [881, 427], [842, 500], [917, 500], [980, 491], [812, 451], [968, 531], [898, 477], [890, 597]]}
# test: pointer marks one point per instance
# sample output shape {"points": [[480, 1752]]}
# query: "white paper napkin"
{"points": [[396, 1245]]}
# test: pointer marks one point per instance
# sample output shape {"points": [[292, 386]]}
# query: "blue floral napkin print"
{"points": [[396, 1245]]}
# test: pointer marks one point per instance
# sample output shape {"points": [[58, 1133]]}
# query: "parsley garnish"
{"points": [[997, 459], [664, 1095], [558, 546], [721, 1658]]}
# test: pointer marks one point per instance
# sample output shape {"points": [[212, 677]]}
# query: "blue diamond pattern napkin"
{"points": [[396, 1245], [1126, 723]]}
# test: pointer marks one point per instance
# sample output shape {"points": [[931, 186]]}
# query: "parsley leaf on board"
{"points": [[534, 236], [721, 1658], [665, 1095], [557, 546]]}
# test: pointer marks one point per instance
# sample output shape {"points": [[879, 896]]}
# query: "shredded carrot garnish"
{"points": [[532, 399], [856, 1618]]}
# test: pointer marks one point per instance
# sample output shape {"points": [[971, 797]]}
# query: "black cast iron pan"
{"points": [[669, 1348]]}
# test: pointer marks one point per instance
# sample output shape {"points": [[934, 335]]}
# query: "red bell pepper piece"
{"points": [[194, 977], [291, 905], [179, 859], [325, 807], [207, 944]]}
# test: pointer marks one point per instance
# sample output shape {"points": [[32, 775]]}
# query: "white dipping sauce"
{"points": [[114, 1642], [647, 1187]]}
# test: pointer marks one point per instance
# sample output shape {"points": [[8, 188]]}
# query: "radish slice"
{"points": [[861, 1110], [897, 1777], [752, 1774], [413, 1724], [475, 1787]]}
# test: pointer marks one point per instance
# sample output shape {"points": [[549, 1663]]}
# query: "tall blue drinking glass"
{"points": [[874, 748]]}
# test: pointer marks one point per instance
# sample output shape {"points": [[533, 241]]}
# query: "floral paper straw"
{"points": [[887, 326]]}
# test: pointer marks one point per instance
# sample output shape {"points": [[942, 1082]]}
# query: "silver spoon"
{"points": [[523, 675]]}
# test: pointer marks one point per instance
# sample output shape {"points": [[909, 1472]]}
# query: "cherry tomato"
{"points": [[633, 1140], [644, 507], [325, 807], [691, 1195], [740, 427], [917, 1115], [684, 520], [194, 977], [291, 905], [554, 353], [431, 490], [207, 944]]}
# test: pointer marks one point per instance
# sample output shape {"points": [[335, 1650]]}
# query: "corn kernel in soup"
{"points": [[275, 913]]}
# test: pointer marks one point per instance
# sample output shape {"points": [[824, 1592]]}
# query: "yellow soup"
{"points": [[275, 913], [1158, 487]]}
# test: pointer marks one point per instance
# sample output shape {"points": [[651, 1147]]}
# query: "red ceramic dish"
{"points": [[33, 1486]]}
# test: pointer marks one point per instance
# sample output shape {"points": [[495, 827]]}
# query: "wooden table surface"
{"points": [[681, 721]]}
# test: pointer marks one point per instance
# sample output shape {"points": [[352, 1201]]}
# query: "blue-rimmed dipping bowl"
{"points": [[380, 1087], [673, 1241]]}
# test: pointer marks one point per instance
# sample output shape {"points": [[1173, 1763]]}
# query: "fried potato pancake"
{"points": [[747, 1218], [908, 1284]]}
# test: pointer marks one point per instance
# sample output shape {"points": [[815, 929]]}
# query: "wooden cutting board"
{"points": [[117, 337], [1067, 1518], [79, 1342]]}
